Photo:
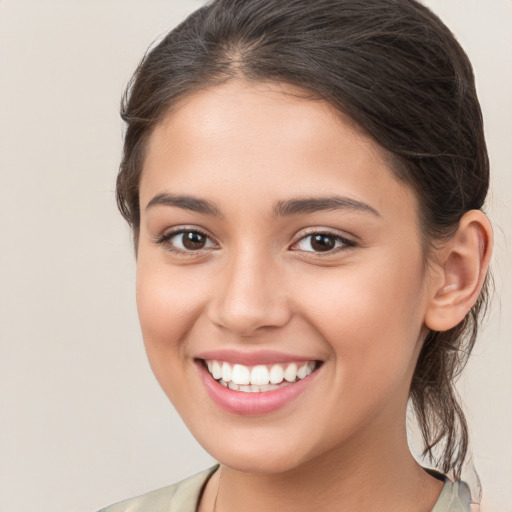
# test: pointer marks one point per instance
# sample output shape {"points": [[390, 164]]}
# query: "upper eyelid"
{"points": [[170, 232], [325, 231]]}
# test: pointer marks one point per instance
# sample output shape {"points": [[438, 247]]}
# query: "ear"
{"points": [[461, 267]]}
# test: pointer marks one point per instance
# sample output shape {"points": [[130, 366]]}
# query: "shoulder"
{"points": [[455, 497], [180, 497]]}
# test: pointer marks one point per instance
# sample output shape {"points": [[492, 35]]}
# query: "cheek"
{"points": [[168, 305], [167, 298], [371, 317]]}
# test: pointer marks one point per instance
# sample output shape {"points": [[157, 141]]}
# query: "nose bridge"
{"points": [[251, 294]]}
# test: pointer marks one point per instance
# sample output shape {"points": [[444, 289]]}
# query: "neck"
{"points": [[349, 477]]}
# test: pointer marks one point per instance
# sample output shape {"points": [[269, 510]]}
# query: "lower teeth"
{"points": [[252, 388]]}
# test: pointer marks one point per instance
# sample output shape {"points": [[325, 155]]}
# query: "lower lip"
{"points": [[252, 404]]}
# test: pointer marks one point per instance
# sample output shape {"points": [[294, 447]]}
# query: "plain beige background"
{"points": [[82, 420]]}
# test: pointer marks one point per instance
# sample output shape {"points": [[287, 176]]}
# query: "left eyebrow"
{"points": [[315, 204]]}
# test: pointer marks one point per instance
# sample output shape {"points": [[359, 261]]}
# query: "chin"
{"points": [[257, 463], [252, 454]]}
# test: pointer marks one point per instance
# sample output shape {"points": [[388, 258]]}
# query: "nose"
{"points": [[251, 295]]}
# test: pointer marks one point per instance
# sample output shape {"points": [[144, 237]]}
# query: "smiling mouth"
{"points": [[258, 378]]}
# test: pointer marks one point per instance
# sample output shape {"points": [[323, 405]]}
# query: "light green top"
{"points": [[184, 497]]}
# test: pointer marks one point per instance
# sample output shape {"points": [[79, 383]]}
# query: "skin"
{"points": [[363, 309]]}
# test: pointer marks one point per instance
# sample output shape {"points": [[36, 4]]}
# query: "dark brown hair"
{"points": [[398, 72]]}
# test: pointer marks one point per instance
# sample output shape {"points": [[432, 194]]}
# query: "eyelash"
{"points": [[166, 237], [345, 243]]}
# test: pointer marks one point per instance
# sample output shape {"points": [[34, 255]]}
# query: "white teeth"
{"points": [[259, 375], [269, 387], [216, 370], [303, 371], [253, 388], [258, 378], [276, 374], [226, 372], [240, 375], [290, 374]]}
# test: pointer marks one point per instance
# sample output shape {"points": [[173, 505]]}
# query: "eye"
{"points": [[186, 240], [322, 242]]}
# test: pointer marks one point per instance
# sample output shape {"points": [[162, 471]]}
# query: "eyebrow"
{"points": [[186, 202], [315, 204], [281, 208]]}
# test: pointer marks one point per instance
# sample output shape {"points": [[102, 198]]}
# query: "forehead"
{"points": [[264, 111], [266, 140]]}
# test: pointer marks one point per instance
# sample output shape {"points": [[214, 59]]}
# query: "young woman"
{"points": [[305, 183]]}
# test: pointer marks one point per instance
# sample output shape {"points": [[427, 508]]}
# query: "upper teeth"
{"points": [[259, 375]]}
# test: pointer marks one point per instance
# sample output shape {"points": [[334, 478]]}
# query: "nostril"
{"points": [[248, 322]]}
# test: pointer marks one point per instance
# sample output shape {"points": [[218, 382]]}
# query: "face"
{"points": [[281, 286]]}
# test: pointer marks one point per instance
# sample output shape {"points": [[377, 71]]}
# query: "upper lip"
{"points": [[252, 358]]}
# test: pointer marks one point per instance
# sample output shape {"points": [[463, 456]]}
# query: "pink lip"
{"points": [[252, 358], [252, 404]]}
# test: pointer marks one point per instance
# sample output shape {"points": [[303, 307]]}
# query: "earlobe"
{"points": [[463, 262]]}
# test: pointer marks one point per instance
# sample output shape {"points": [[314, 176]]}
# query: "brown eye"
{"points": [[187, 241], [193, 240], [323, 242]]}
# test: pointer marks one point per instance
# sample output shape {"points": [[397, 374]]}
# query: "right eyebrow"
{"points": [[186, 202]]}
